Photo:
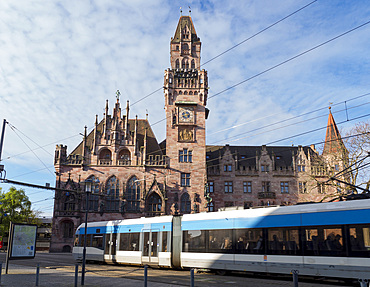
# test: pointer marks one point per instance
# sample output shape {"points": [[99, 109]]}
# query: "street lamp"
{"points": [[88, 185]]}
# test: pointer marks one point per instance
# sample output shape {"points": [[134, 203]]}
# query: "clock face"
{"points": [[186, 115]]}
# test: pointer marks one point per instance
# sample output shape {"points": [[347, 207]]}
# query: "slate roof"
{"points": [[246, 155], [183, 21]]}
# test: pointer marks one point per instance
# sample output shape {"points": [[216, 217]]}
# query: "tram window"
{"points": [[359, 240], [97, 241], [249, 241], [333, 242], [123, 241], [164, 241], [81, 241], [220, 240], [77, 243], [194, 241], [88, 240], [129, 241], [134, 241], [324, 241], [107, 243], [283, 241]]}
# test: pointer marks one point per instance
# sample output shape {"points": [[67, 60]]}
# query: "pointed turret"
{"points": [[117, 107], [185, 46], [95, 134], [106, 118], [84, 147], [333, 141], [126, 119], [135, 136]]}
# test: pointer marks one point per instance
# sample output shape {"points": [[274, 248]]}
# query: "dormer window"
{"points": [[264, 168], [228, 167]]}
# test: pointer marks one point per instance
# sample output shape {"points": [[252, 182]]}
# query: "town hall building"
{"points": [[133, 175]]}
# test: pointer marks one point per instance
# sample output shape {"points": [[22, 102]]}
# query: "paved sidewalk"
{"points": [[21, 276]]}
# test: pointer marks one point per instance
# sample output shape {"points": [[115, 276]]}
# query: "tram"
{"points": [[321, 239]]}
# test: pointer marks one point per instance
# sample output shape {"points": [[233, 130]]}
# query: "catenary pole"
{"points": [[2, 137]]}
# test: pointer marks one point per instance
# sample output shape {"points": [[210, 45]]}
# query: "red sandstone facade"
{"points": [[133, 175]]}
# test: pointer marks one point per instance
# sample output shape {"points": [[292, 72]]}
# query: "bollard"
{"points": [[192, 277], [1, 270], [146, 276], [37, 274], [363, 282], [295, 277], [76, 275]]}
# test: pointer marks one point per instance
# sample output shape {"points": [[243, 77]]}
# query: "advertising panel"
{"points": [[23, 244]]}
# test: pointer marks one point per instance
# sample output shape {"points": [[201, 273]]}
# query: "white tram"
{"points": [[323, 239]]}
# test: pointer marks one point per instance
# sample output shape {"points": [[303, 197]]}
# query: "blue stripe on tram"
{"points": [[285, 220]]}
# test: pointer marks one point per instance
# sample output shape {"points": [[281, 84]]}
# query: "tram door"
{"points": [[150, 246], [110, 247]]}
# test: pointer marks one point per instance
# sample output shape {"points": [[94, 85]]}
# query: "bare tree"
{"points": [[357, 142]]}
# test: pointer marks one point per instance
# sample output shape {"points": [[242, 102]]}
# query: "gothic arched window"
{"points": [[124, 157], [192, 64], [68, 229], [112, 195], [105, 157], [183, 63], [185, 203], [177, 64], [133, 195], [154, 204], [185, 48], [69, 202]]}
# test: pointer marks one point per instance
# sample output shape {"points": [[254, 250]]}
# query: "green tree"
{"points": [[15, 206]]}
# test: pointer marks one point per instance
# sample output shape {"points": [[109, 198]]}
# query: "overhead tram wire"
{"points": [[291, 118], [281, 127], [233, 47], [290, 59], [314, 130], [284, 62], [357, 97], [280, 64], [260, 32], [40, 147], [249, 38], [13, 129], [287, 149]]}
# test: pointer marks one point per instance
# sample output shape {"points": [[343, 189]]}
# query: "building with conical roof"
{"points": [[134, 175]]}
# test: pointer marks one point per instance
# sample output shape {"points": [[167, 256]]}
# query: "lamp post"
{"points": [[88, 184]]}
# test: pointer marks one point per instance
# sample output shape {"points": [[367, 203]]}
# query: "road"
{"points": [[65, 262]]}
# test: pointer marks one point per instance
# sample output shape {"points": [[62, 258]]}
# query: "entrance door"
{"points": [[110, 247], [150, 246]]}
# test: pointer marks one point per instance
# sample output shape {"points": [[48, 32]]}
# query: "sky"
{"points": [[61, 60]]}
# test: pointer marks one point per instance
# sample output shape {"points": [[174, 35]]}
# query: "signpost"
{"points": [[22, 242]]}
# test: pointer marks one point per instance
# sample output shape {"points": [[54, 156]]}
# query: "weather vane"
{"points": [[180, 11], [118, 94], [330, 103]]}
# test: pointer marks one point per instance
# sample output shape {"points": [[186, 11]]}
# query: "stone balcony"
{"points": [[263, 195], [124, 162], [105, 162]]}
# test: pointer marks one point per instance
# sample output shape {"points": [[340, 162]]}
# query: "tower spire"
{"points": [[333, 140]]}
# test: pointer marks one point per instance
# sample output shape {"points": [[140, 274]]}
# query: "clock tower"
{"points": [[185, 92]]}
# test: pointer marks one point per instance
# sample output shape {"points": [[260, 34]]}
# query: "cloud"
{"points": [[61, 60]]}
